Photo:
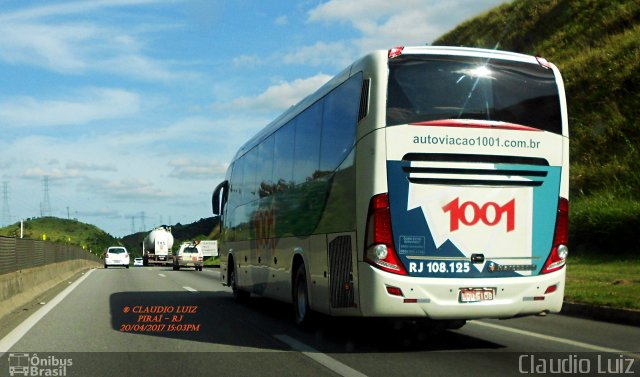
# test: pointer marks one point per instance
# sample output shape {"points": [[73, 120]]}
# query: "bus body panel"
{"points": [[439, 298], [460, 191]]}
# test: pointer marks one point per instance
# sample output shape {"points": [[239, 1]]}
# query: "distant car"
{"points": [[138, 262], [116, 256], [188, 256]]}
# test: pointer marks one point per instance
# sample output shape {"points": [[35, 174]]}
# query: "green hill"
{"points": [[92, 238], [596, 46], [55, 229]]}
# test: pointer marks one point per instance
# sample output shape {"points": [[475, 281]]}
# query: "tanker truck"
{"points": [[156, 246]]}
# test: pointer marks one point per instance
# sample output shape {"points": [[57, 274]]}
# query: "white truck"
{"points": [[156, 246]]}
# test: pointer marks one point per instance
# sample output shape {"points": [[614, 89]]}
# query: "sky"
{"points": [[125, 113]]}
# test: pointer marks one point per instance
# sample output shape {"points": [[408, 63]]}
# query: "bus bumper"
{"points": [[439, 298]]}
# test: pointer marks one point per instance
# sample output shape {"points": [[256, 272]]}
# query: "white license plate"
{"points": [[476, 294]]}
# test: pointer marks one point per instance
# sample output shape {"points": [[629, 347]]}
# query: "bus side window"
{"points": [[283, 156], [307, 149], [264, 179], [339, 119]]}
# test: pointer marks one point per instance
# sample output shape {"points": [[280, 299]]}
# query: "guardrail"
{"points": [[19, 254]]}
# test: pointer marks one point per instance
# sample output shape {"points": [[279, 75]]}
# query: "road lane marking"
{"points": [[16, 334], [319, 357], [190, 289], [575, 343], [162, 275]]}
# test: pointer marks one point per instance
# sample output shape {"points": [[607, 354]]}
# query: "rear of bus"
{"points": [[474, 220]]}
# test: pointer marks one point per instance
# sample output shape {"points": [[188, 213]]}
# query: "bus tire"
{"points": [[238, 294], [455, 324], [301, 310]]}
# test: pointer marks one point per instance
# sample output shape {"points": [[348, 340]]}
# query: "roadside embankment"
{"points": [[602, 313], [20, 287]]}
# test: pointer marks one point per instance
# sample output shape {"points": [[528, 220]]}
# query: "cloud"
{"points": [[335, 54], [364, 10], [126, 189], [84, 166], [46, 37], [41, 45], [188, 169], [53, 173], [247, 61], [384, 24], [101, 213], [280, 96], [87, 106], [141, 67], [281, 21], [69, 8]]}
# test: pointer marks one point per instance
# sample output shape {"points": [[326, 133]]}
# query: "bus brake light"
{"points": [[559, 249], [396, 51], [379, 250]]}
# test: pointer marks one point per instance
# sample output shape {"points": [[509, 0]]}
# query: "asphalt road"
{"points": [[159, 322]]}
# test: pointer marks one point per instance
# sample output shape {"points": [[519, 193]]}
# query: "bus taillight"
{"points": [[559, 249], [379, 249]]}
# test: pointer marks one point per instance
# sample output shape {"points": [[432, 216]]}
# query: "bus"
{"points": [[420, 182]]}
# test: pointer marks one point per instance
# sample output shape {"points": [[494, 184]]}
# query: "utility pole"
{"points": [[142, 226], [6, 213], [46, 204], [133, 223]]}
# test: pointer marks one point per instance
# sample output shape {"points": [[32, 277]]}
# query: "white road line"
{"points": [[575, 343], [16, 334], [162, 275], [321, 358], [190, 289]]}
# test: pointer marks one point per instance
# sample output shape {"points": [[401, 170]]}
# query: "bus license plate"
{"points": [[477, 294]]}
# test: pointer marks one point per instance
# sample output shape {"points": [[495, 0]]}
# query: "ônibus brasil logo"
{"points": [[489, 213], [26, 364]]}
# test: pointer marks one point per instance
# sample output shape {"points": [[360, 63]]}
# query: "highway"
{"points": [[154, 321]]}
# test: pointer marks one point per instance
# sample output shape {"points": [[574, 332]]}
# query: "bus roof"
{"points": [[344, 74], [469, 51]]}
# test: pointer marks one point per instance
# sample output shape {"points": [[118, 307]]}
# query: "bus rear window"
{"points": [[425, 88]]}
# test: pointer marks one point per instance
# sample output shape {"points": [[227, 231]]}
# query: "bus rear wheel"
{"points": [[238, 294], [301, 309]]}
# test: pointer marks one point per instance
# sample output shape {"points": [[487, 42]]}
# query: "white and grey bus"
{"points": [[420, 182]]}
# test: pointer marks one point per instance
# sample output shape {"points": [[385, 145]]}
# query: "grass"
{"points": [[606, 223], [600, 281], [213, 261]]}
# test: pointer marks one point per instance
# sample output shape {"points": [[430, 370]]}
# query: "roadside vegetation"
{"points": [[93, 239], [598, 280], [72, 232], [596, 46]]}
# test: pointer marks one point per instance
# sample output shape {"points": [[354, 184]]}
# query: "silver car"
{"points": [[188, 256]]}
